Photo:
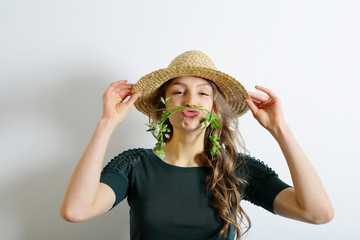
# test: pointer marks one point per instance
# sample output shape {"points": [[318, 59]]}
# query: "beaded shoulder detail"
{"points": [[253, 168], [125, 161]]}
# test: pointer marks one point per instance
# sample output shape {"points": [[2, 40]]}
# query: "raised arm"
{"points": [[85, 197], [308, 200]]}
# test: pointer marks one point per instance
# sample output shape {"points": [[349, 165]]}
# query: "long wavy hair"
{"points": [[225, 187]]}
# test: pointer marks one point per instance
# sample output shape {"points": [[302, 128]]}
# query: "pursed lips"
{"points": [[190, 112]]}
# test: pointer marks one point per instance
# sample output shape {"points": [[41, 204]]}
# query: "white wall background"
{"points": [[58, 57]]}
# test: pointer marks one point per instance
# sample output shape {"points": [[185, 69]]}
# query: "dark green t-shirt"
{"points": [[170, 202]]}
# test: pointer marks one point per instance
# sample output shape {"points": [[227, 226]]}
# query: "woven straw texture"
{"points": [[191, 63]]}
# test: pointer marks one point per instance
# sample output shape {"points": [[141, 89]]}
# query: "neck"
{"points": [[182, 149]]}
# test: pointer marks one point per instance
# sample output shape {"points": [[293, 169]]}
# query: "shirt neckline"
{"points": [[166, 165]]}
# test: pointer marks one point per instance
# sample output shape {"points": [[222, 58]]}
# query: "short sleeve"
{"points": [[263, 183], [116, 174]]}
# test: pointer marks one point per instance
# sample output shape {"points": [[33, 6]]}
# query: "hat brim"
{"points": [[232, 90]]}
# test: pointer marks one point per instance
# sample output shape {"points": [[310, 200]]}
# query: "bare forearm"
{"points": [[308, 200], [83, 185], [309, 190]]}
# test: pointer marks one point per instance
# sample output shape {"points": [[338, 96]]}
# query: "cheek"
{"points": [[173, 120], [173, 102], [210, 106]]}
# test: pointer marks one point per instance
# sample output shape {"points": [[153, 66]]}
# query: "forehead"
{"points": [[190, 82]]}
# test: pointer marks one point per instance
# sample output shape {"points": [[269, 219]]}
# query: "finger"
{"points": [[123, 93], [125, 87], [116, 84], [257, 96], [122, 86], [256, 101], [266, 90], [133, 98], [264, 105], [251, 105]]}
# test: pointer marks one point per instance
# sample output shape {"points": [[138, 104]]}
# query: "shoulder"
{"points": [[117, 173], [133, 154], [262, 183], [251, 167], [125, 161]]}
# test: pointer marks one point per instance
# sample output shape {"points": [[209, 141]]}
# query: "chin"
{"points": [[192, 126], [188, 124]]}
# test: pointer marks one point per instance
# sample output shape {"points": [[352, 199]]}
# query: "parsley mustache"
{"points": [[162, 128]]}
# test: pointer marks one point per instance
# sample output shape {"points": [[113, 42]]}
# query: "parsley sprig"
{"points": [[161, 128]]}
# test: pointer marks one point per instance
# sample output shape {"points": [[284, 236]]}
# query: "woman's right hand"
{"points": [[114, 107]]}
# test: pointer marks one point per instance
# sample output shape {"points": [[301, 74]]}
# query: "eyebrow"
{"points": [[199, 85]]}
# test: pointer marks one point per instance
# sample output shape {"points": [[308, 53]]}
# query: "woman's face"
{"points": [[189, 91]]}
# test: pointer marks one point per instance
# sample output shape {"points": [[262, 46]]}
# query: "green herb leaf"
{"points": [[213, 151], [208, 116], [161, 154], [151, 129], [162, 100], [216, 125]]}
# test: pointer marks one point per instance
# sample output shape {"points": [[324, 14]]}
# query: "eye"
{"points": [[178, 92], [204, 94]]}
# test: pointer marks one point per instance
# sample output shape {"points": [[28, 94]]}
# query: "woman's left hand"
{"points": [[266, 109]]}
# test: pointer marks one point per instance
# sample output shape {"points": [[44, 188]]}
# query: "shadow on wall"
{"points": [[32, 202]]}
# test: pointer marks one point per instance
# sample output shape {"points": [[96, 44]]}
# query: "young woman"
{"points": [[189, 193]]}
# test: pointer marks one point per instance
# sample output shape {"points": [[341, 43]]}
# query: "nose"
{"points": [[190, 100]]}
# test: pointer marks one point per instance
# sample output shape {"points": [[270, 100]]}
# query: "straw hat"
{"points": [[191, 63]]}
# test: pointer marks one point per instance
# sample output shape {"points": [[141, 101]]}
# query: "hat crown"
{"points": [[193, 59]]}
